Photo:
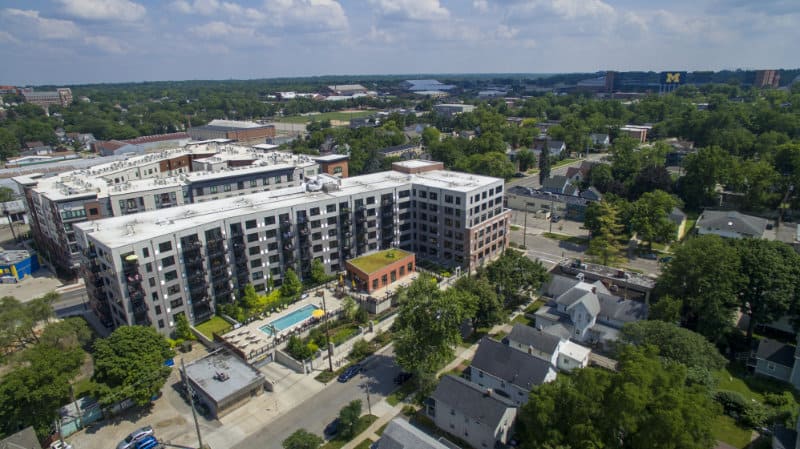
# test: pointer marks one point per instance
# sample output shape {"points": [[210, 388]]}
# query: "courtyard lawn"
{"points": [[564, 162], [725, 429], [215, 325], [566, 238], [373, 262], [338, 115]]}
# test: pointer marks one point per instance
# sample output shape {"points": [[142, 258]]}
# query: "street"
{"points": [[314, 414]]}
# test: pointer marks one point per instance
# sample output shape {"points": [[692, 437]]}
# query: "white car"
{"points": [[58, 444]]}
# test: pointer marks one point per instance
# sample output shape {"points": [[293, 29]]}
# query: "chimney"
{"points": [[594, 290]]}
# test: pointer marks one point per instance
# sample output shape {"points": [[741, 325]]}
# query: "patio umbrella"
{"points": [[318, 313]]}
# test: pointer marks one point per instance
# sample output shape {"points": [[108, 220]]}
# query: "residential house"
{"points": [[580, 173], [405, 151], [600, 141], [636, 132], [401, 434], [364, 122], [678, 152], [555, 148], [587, 313], [678, 217], [470, 412], [560, 185], [509, 372], [563, 354], [732, 224], [591, 194], [778, 360]]}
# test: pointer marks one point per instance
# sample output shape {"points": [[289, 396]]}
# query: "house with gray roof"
{"points": [[400, 434], [24, 439], [470, 412], [599, 140], [555, 148], [509, 372], [778, 360], [559, 184], [586, 312], [731, 224], [534, 342]]}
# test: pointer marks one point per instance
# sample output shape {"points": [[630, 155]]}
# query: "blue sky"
{"points": [[82, 41]]}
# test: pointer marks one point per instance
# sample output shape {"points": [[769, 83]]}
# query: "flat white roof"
{"points": [[416, 163], [331, 157], [120, 231]]}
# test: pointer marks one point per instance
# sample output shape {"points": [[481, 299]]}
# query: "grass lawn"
{"points": [[363, 423], [373, 262], [522, 319], [566, 161], [515, 228], [401, 393], [725, 429], [535, 306], [343, 334], [380, 430], [365, 444], [83, 387], [215, 324], [566, 238], [324, 116]]}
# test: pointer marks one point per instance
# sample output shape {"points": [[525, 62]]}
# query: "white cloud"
{"points": [[214, 7], [241, 36], [7, 37], [422, 10], [480, 5], [314, 14], [567, 9], [30, 21], [382, 36], [105, 43], [121, 10]]}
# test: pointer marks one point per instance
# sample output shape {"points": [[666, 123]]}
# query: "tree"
{"points": [[348, 419], [250, 298], [769, 272], [645, 405], [302, 439], [488, 305], [182, 328], [544, 164], [297, 349], [674, 343], [515, 276], [318, 275], [9, 144], [704, 275], [129, 363], [66, 334], [526, 159], [703, 170], [650, 219], [427, 326], [18, 320], [602, 220], [291, 286]]}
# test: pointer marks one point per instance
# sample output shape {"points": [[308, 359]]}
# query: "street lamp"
{"points": [[365, 385]]}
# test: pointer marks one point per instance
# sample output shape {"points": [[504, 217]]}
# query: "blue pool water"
{"points": [[290, 320]]}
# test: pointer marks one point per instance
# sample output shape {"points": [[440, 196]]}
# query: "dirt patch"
{"points": [[175, 421]]}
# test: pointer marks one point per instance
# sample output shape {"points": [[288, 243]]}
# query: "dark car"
{"points": [[650, 256], [402, 378], [555, 218], [519, 174], [665, 259], [332, 428], [349, 373], [148, 442]]}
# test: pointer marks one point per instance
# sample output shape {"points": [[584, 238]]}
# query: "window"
{"points": [[145, 252], [253, 183], [164, 247], [152, 282], [168, 261], [269, 221], [330, 208], [371, 200], [433, 196], [403, 194], [171, 276], [93, 211], [331, 221], [337, 170], [257, 275], [316, 236], [254, 250], [255, 263], [331, 232], [226, 188], [316, 223], [314, 211], [158, 310], [213, 189], [423, 194], [161, 324], [448, 199], [149, 267], [173, 289], [270, 234], [249, 224], [252, 237], [177, 302]]}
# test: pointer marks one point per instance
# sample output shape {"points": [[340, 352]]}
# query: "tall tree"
{"points": [[704, 275], [674, 343], [650, 219], [544, 164], [291, 286], [9, 144], [427, 327], [526, 159], [602, 220], [488, 305], [318, 275], [515, 276], [302, 439], [348, 419], [769, 271], [129, 363]]}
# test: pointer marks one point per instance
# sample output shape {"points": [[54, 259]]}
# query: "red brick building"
{"points": [[371, 272], [333, 164]]}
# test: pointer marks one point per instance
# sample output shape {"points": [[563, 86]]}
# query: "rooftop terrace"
{"points": [[375, 261]]}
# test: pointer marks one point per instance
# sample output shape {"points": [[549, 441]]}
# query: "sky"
{"points": [[92, 41]]}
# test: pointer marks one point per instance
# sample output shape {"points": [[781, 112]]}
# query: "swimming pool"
{"points": [[289, 320]]}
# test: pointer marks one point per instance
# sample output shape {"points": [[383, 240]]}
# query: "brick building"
{"points": [[377, 270]]}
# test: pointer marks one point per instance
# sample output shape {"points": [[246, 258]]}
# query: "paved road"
{"points": [[313, 415]]}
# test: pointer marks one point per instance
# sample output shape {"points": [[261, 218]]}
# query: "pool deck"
{"points": [[250, 337]]}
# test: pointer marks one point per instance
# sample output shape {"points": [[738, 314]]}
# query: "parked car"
{"points": [[148, 442], [138, 434], [331, 429], [555, 218], [649, 256], [58, 444], [349, 373], [665, 259], [402, 377], [519, 174]]}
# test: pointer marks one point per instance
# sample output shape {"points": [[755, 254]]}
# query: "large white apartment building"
{"points": [[150, 267], [194, 173]]}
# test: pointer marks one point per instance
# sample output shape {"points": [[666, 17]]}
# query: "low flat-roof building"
{"points": [[223, 382], [377, 270], [243, 132], [451, 109], [731, 224], [18, 264], [334, 164]]}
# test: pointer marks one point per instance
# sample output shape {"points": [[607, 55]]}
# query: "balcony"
{"points": [[219, 276], [241, 263], [304, 231], [136, 295], [215, 239], [130, 267], [98, 283], [223, 291], [288, 246], [302, 221], [345, 210], [346, 222], [202, 314], [216, 250], [90, 253], [361, 220], [386, 203], [134, 278], [197, 276]]}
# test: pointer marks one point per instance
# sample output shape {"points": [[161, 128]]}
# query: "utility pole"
{"points": [[525, 226], [369, 402], [191, 402], [327, 333], [551, 214]]}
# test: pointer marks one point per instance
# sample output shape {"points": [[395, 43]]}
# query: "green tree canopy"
{"points": [[291, 286], [515, 276], [674, 343], [488, 309], [650, 218], [348, 419], [129, 363], [302, 439]]}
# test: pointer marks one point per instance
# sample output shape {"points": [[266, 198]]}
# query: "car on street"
{"points": [[519, 174], [650, 256], [58, 444], [555, 218], [331, 429], [130, 441], [402, 378], [349, 373]]}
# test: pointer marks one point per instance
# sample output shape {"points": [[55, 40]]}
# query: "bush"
{"points": [[746, 413], [731, 402], [297, 349], [361, 349], [778, 400], [409, 410], [362, 316]]}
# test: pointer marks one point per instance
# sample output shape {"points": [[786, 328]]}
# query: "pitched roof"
{"points": [[471, 400], [721, 220], [558, 182], [534, 338], [400, 434], [677, 215], [25, 438], [620, 309], [581, 294], [511, 365], [775, 352]]}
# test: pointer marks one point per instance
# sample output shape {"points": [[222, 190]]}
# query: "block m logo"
{"points": [[673, 78]]}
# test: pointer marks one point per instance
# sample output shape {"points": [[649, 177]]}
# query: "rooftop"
{"points": [[120, 231], [721, 220], [471, 400], [535, 338], [510, 365], [370, 263], [331, 158], [220, 375], [400, 434], [776, 352], [10, 257]]}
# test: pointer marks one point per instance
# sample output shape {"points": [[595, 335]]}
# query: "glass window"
{"points": [[164, 246]]}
